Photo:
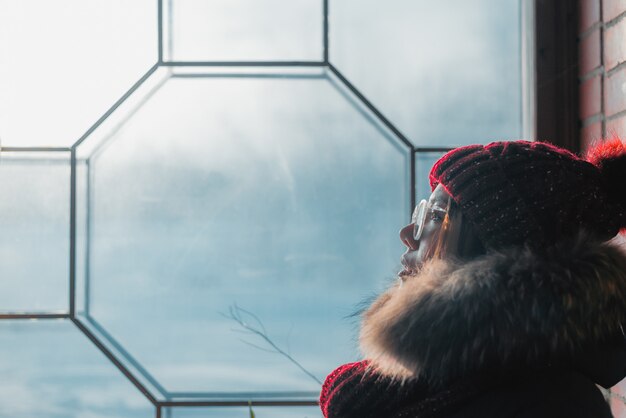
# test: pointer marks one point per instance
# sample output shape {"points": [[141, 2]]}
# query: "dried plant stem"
{"points": [[237, 314]]}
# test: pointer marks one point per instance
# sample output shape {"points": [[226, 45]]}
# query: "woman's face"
{"points": [[419, 251]]}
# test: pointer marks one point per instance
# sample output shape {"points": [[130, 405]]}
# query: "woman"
{"points": [[512, 297]]}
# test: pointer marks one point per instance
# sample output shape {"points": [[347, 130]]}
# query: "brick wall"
{"points": [[602, 70], [602, 111]]}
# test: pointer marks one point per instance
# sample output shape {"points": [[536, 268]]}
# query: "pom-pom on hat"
{"points": [[534, 193], [610, 158]]}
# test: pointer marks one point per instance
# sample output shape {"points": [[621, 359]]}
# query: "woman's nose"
{"points": [[406, 236]]}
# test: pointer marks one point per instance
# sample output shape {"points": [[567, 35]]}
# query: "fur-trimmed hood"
{"points": [[514, 308]]}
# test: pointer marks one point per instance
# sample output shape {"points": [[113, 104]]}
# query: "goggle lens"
{"points": [[418, 218]]}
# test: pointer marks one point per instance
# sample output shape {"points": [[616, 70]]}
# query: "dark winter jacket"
{"points": [[518, 333]]}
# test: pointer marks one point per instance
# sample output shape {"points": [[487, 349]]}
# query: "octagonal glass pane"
{"points": [[244, 30], [52, 370], [445, 73], [34, 219], [63, 63], [232, 213]]}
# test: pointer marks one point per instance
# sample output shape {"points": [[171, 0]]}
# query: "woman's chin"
{"points": [[407, 273], [402, 275]]}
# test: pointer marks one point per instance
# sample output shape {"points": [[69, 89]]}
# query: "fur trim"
{"points": [[503, 309]]}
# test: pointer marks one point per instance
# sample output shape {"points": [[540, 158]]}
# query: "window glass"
{"points": [[245, 30], [63, 63], [423, 163], [238, 412], [445, 73], [51, 370], [34, 248]]}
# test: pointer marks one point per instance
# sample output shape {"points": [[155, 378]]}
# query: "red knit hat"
{"points": [[534, 193]]}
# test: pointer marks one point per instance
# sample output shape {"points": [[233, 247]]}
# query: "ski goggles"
{"points": [[422, 211]]}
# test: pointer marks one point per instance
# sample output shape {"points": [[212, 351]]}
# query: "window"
{"points": [[196, 210]]}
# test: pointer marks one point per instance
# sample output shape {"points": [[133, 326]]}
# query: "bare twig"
{"points": [[257, 328], [258, 347]]}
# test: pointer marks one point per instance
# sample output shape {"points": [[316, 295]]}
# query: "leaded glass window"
{"points": [[199, 194]]}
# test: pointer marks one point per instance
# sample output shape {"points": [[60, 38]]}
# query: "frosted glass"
{"points": [[246, 30], [446, 73], [51, 370], [63, 63], [34, 219], [276, 195]]}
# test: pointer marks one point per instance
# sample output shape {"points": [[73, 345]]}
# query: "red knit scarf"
{"points": [[354, 390]]}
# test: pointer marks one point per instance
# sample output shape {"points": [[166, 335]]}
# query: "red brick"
{"points": [[616, 126], [615, 92], [590, 97], [589, 52], [589, 134], [615, 45], [589, 13], [612, 8]]}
